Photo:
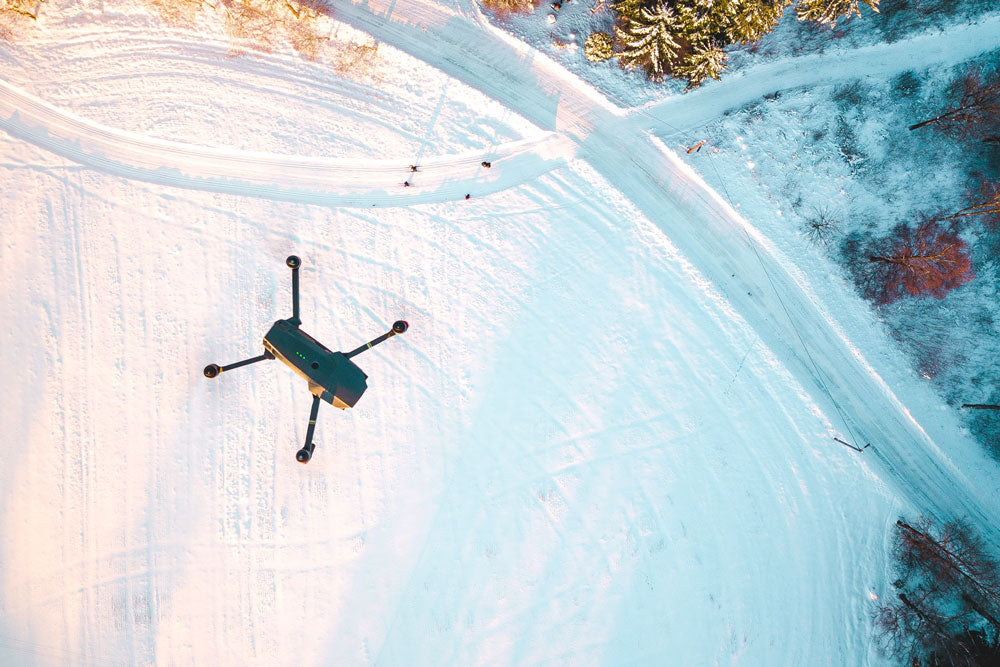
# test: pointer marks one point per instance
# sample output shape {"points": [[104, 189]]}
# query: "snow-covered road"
{"points": [[607, 437]]}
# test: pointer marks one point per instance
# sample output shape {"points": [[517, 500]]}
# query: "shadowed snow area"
{"points": [[587, 449]]}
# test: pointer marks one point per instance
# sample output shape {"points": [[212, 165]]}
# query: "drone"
{"points": [[332, 376]]}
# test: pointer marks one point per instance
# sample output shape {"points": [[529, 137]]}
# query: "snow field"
{"points": [[553, 427], [587, 449]]}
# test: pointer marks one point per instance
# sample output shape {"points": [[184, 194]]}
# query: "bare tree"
{"points": [[504, 7], [177, 11], [978, 109], [949, 594], [928, 260], [985, 202], [954, 557], [914, 626], [251, 22]]}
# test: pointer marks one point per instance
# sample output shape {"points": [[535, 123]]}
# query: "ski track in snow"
{"points": [[602, 441]]}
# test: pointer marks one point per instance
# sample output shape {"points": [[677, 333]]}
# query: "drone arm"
{"points": [[294, 263], [399, 327], [306, 452], [214, 369]]}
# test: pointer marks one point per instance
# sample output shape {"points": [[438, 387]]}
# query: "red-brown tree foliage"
{"points": [[928, 260], [978, 109]]}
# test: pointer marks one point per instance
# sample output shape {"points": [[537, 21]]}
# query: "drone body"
{"points": [[332, 376]]}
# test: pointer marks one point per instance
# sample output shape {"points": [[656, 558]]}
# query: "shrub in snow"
{"points": [[510, 6], [28, 8], [257, 24], [947, 603], [15, 14], [176, 11], [263, 22], [598, 47], [821, 225]]}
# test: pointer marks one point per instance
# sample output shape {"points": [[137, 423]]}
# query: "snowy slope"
{"points": [[591, 446]]}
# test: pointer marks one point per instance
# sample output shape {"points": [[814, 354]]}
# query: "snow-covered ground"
{"points": [[607, 437]]}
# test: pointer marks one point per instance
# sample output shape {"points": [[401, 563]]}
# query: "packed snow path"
{"points": [[603, 439], [527, 85]]}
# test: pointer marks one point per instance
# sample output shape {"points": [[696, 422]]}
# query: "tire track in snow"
{"points": [[128, 60]]}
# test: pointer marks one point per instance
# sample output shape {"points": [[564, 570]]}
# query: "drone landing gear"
{"points": [[304, 454], [212, 370]]}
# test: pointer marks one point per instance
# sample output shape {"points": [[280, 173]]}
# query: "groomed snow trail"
{"points": [[600, 442]]}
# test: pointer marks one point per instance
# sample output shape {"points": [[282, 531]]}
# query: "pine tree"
{"points": [[649, 40], [598, 47], [700, 18], [687, 38], [826, 12], [755, 18], [704, 62]]}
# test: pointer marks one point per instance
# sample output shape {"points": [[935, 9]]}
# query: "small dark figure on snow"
{"points": [[406, 184], [413, 167], [467, 196], [486, 164]]}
